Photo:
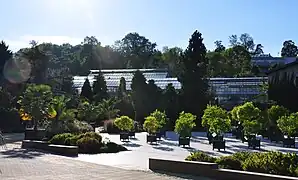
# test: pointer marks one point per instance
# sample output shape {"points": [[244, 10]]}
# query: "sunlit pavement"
{"points": [[139, 151]]}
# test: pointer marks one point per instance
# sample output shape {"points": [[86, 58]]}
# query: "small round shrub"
{"points": [[200, 156], [92, 135], [229, 162], [71, 141], [89, 145], [60, 138]]}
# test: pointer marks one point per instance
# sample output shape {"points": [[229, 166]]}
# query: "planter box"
{"points": [[219, 144], [254, 143], [31, 134], [276, 138], [124, 137], [151, 138], [158, 135], [210, 137], [184, 141], [289, 142], [132, 134]]}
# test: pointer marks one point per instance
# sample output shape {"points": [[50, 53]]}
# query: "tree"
{"points": [[137, 50], [275, 112], [124, 123], [170, 103], [218, 65], [288, 124], [155, 96], [88, 112], [139, 95], [195, 89], [289, 49], [219, 47], [121, 93], [160, 117], [5, 55], [171, 57], [216, 120], [184, 124], [38, 60], [250, 117], [100, 88], [90, 54], [259, 49], [107, 107], [35, 104], [86, 90], [247, 41], [151, 125]]}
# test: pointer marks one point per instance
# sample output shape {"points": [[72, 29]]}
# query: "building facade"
{"points": [[225, 90]]}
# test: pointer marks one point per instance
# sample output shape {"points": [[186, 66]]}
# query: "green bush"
{"points": [[72, 141], [93, 135], [200, 156], [111, 147], [229, 162], [89, 145], [270, 162], [60, 138]]}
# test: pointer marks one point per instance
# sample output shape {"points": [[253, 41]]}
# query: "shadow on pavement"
{"points": [[163, 148], [21, 153], [129, 144]]}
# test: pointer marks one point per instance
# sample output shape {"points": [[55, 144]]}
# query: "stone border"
{"points": [[52, 148], [209, 170]]}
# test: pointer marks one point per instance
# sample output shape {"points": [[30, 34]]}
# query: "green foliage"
{"points": [[36, 102], [229, 162], [216, 119], [200, 156], [151, 125], [107, 108], [60, 138], [193, 76], [160, 117], [100, 88], [269, 162], [275, 112], [250, 117], [89, 143], [288, 124], [184, 124], [87, 90], [124, 123], [272, 163], [88, 112], [234, 113]]}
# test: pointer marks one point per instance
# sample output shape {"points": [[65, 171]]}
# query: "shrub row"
{"points": [[89, 143], [270, 162]]}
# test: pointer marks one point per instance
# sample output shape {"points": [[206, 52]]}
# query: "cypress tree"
{"points": [[86, 90], [100, 88]]}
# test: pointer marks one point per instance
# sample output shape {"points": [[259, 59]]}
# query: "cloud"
{"points": [[23, 41]]}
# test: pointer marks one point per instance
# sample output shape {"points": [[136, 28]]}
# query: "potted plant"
{"points": [[125, 124], [218, 123], [151, 126], [288, 126], [184, 125], [161, 118], [250, 118]]}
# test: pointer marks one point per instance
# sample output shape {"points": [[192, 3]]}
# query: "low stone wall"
{"points": [[52, 148], [209, 170]]}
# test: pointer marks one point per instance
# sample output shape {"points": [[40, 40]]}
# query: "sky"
{"points": [[166, 22]]}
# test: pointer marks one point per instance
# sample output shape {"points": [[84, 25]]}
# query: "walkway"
{"points": [[17, 163]]}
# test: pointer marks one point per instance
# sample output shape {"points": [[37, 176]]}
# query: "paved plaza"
{"points": [[21, 164], [140, 151]]}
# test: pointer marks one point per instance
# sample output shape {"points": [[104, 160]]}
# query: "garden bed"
{"points": [[88, 143], [279, 164]]}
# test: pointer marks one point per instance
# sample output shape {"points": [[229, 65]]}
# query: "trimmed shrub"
{"points": [[111, 147], [200, 156], [229, 162], [89, 145], [109, 126], [91, 135], [60, 138]]}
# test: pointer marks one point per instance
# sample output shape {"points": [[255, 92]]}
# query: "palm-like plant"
{"points": [[107, 107]]}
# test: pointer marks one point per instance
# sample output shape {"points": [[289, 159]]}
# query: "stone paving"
{"points": [[140, 151], [17, 163]]}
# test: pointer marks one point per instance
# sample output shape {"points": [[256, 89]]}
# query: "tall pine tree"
{"points": [[194, 76], [139, 96], [100, 88], [121, 93], [86, 90]]}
